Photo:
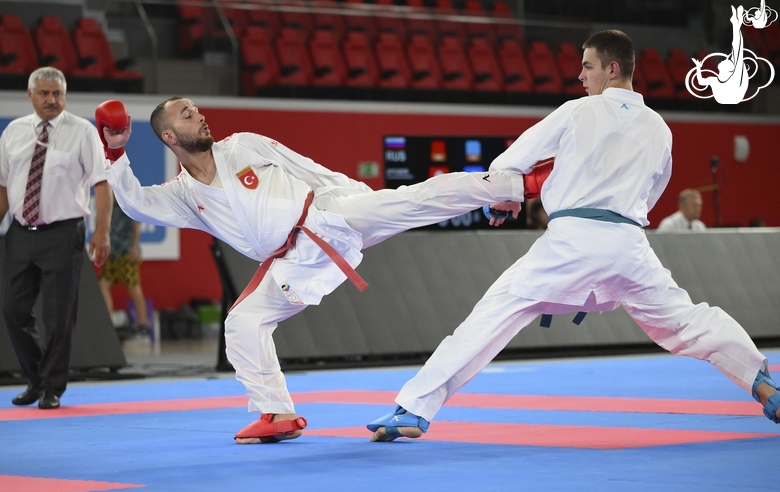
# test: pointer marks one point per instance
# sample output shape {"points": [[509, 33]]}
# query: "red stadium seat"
{"points": [[455, 70], [260, 15], [294, 64], [479, 29], [505, 29], [91, 44], [18, 58], [390, 23], [679, 64], [298, 17], [191, 27], [55, 49], [359, 60], [425, 71], [259, 67], [360, 18], [391, 60], [331, 20], [544, 68], [487, 74], [420, 20], [448, 27], [327, 62], [517, 75], [653, 67], [638, 82], [570, 64]]}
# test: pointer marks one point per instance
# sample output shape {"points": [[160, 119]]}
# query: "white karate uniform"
{"points": [[611, 152], [263, 189]]}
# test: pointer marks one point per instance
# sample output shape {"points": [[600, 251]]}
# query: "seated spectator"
{"points": [[687, 217]]}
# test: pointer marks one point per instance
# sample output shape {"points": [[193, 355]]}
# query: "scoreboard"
{"points": [[412, 159]]}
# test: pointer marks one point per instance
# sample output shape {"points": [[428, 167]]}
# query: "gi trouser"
{"points": [[377, 216], [679, 326]]}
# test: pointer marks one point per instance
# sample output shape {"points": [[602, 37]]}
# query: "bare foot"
{"points": [[381, 436], [276, 437]]}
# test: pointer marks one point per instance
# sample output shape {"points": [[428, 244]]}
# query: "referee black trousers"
{"points": [[48, 261]]}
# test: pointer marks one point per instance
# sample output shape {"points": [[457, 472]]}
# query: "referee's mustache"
{"points": [[50, 106]]}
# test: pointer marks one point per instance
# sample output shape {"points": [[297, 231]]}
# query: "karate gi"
{"points": [[258, 198], [611, 152]]}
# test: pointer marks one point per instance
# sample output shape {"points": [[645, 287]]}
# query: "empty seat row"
{"points": [[392, 62], [84, 57], [199, 23]]}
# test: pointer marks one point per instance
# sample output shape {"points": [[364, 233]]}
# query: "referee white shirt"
{"points": [[74, 163], [678, 222]]}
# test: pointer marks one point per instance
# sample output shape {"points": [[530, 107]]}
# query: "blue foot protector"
{"points": [[398, 418], [773, 402]]}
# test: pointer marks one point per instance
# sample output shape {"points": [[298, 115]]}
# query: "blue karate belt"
{"points": [[585, 213]]}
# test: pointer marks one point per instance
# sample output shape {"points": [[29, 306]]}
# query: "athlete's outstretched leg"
{"points": [[385, 213]]}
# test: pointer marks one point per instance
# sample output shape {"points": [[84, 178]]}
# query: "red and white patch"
{"points": [[248, 178]]}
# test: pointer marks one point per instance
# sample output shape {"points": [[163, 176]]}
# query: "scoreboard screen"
{"points": [[412, 159]]}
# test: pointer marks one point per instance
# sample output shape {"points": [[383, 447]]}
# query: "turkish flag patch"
{"points": [[248, 178]]}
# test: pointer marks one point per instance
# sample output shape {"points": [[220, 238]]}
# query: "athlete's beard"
{"points": [[195, 144]]}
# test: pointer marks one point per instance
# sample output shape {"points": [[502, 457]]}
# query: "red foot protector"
{"points": [[263, 427]]}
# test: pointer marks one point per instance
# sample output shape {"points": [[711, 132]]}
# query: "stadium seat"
{"points": [[420, 20], [331, 21], [294, 64], [502, 11], [653, 67], [679, 64], [91, 44], [455, 70], [259, 67], [327, 62], [447, 27], [191, 28], [479, 29], [259, 14], [517, 75], [547, 78], [425, 71], [17, 53], [638, 82], [55, 49], [487, 74], [389, 23], [360, 18], [298, 17], [392, 64], [359, 61], [236, 17], [570, 64]]}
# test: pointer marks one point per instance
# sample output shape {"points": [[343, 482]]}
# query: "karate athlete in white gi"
{"points": [[612, 162], [251, 192]]}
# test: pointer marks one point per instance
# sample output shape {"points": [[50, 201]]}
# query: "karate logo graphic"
{"points": [[248, 178], [730, 84]]}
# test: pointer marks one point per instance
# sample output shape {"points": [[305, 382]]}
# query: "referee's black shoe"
{"points": [[29, 396], [49, 400]]}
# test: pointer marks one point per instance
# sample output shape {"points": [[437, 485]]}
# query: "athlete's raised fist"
{"points": [[112, 119]]}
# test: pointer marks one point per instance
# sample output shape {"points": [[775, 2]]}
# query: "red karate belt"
{"points": [[334, 255]]}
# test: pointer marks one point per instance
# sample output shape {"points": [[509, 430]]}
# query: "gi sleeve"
{"points": [[536, 144], [161, 205], [303, 168]]}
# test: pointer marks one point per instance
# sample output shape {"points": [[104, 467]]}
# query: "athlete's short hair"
{"points": [[158, 120], [613, 45]]}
